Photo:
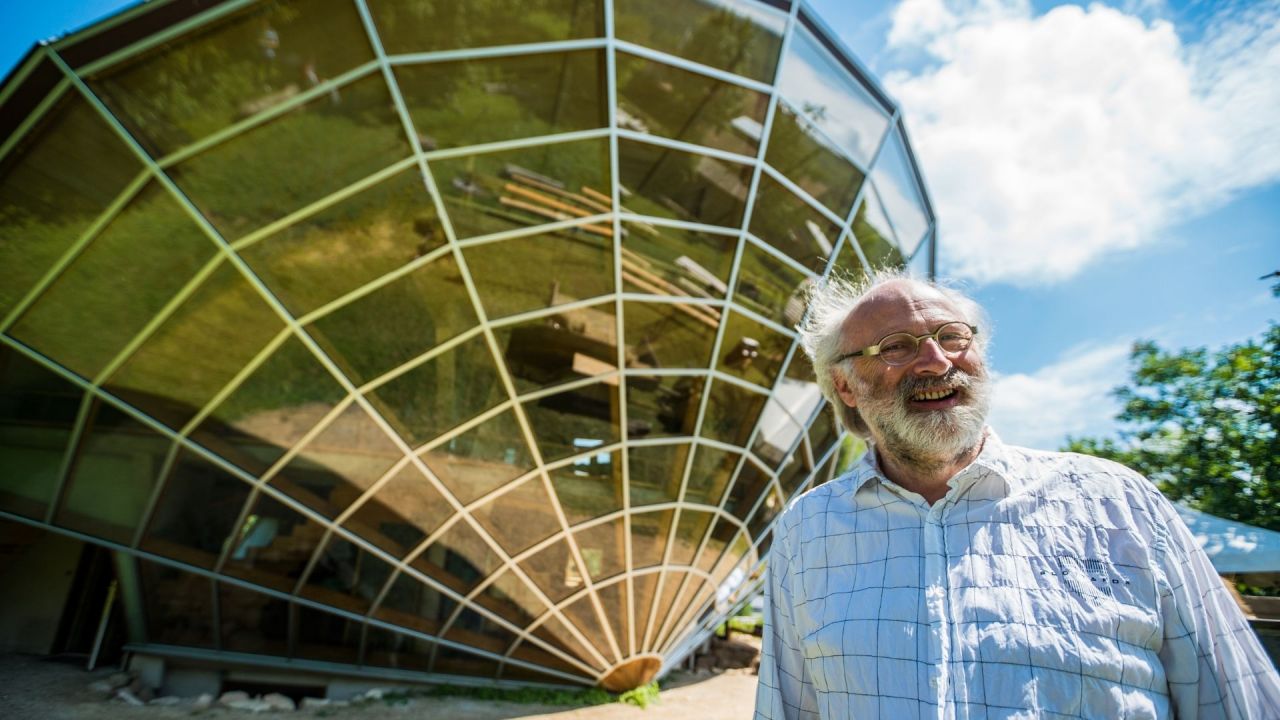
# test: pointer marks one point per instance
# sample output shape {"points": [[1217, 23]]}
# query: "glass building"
{"points": [[418, 338]]}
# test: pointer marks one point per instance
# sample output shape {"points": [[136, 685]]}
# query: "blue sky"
{"points": [[1102, 173]]}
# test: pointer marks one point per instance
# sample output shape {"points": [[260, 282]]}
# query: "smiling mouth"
{"points": [[932, 395]]}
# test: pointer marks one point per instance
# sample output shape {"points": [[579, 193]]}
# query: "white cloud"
{"points": [[1048, 140], [1069, 397]]}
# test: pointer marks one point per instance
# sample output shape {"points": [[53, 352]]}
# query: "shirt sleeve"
{"points": [[785, 690], [1213, 662]]}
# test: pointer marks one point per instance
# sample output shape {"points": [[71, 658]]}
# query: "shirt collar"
{"points": [[994, 458]]}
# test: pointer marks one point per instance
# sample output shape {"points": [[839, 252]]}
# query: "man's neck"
{"points": [[927, 476]]}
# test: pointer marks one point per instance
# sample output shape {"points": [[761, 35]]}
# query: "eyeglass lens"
{"points": [[901, 348]]}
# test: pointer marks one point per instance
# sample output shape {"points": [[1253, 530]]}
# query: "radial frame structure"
{"points": [[616, 654]]}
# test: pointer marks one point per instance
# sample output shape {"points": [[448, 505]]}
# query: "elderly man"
{"points": [[949, 575]]}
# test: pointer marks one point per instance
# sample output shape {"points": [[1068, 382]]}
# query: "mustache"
{"points": [[954, 379]]}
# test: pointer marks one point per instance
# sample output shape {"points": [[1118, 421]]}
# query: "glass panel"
{"points": [[520, 517], [603, 549], [441, 393], [755, 352], [768, 510], [271, 410], [662, 405], [770, 287], [346, 576], [670, 261], [921, 262], [712, 468], [670, 587], [121, 280], [254, 59], [294, 159], [333, 252], [113, 476], [555, 349], [661, 335], [790, 224], [746, 490], [793, 473], [799, 150], [530, 186], [475, 630], [782, 424], [572, 265], [644, 588], [671, 183], [613, 600], [656, 472], [482, 459], [179, 605], [901, 193], [553, 570], [396, 322], [722, 533], [590, 487], [690, 529], [470, 102], [459, 559], [383, 648], [555, 633], [511, 599], [37, 411], [411, 603], [405, 511], [739, 36], [731, 413], [665, 100], [339, 463], [53, 184], [575, 421], [428, 25], [649, 537], [830, 98], [582, 613], [273, 546], [534, 655], [823, 473], [823, 435], [326, 637], [192, 356], [457, 662], [252, 622], [873, 233], [196, 513]]}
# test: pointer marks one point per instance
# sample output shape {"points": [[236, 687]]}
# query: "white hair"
{"points": [[830, 302]]}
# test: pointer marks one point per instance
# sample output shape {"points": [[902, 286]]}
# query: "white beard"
{"points": [[933, 439]]}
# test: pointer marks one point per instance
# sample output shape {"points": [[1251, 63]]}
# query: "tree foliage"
{"points": [[1204, 427]]}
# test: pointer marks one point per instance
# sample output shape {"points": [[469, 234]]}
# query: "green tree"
{"points": [[1204, 427]]}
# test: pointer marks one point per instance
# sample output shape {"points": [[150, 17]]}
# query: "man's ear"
{"points": [[843, 389]]}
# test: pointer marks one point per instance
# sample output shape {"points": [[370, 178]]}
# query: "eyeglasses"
{"points": [[901, 348]]}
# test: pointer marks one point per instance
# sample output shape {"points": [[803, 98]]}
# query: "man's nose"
{"points": [[931, 359]]}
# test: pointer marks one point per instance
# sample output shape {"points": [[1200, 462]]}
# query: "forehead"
{"points": [[902, 306]]}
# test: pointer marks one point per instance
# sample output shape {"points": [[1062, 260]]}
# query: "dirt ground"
{"points": [[34, 687]]}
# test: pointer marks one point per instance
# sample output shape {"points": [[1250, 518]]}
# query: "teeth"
{"points": [[933, 395]]}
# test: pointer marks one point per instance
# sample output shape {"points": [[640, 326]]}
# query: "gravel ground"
{"points": [[35, 687]]}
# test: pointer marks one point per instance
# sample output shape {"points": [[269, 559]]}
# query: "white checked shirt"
{"points": [[1042, 585]]}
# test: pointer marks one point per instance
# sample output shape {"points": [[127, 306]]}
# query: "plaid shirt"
{"points": [[1042, 585]]}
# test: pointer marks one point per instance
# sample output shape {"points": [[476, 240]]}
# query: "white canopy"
{"points": [[1233, 547]]}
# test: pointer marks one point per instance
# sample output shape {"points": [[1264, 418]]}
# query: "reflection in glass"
{"points": [[770, 287], [752, 351], [614, 601], [662, 405], [649, 537], [331, 253], [582, 613], [441, 393], [553, 570], [574, 264], [481, 459], [37, 411], [458, 559], [798, 149], [712, 468], [782, 423], [520, 517], [475, 630], [397, 322], [676, 184], [241, 65], [903, 201], [682, 105], [589, 487], [54, 183], [200, 348], [407, 26], [731, 413], [469, 102], [325, 636], [413, 604], [663, 335], [574, 421], [178, 605], [747, 487], [346, 576], [509, 189], [782, 219], [823, 434], [405, 510], [691, 527], [830, 98], [554, 349], [139, 261], [739, 36], [793, 472], [271, 410], [644, 588], [555, 633], [383, 648], [196, 513], [669, 261], [602, 547], [273, 545], [873, 232], [116, 468], [656, 472], [765, 513], [252, 622]]}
